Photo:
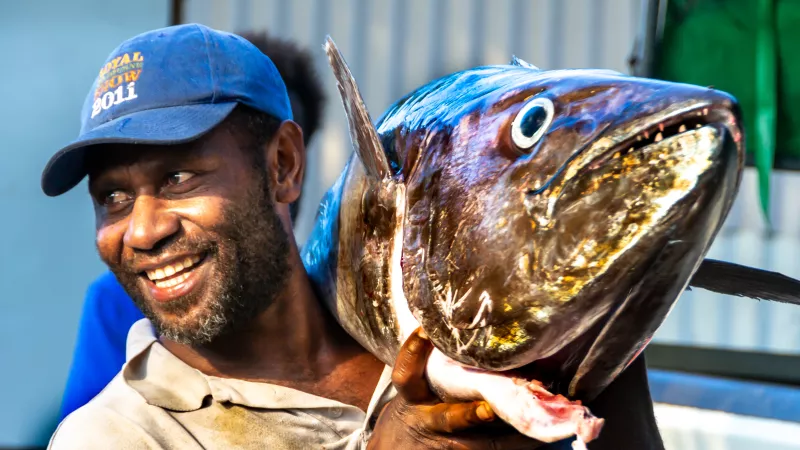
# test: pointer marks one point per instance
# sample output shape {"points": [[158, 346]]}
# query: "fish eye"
{"points": [[531, 122]]}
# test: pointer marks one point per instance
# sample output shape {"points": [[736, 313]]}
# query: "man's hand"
{"points": [[416, 418]]}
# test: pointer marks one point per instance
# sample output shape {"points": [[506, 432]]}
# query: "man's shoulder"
{"points": [[118, 417], [96, 426]]}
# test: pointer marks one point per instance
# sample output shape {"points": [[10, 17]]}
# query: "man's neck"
{"points": [[296, 343]]}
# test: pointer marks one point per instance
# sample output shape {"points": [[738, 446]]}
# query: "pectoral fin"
{"points": [[742, 281]]}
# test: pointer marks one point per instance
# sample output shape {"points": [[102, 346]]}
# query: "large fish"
{"points": [[538, 225]]}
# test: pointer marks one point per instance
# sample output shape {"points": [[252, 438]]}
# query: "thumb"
{"points": [[408, 375]]}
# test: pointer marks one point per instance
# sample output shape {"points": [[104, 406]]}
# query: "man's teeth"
{"points": [[171, 269], [172, 281]]}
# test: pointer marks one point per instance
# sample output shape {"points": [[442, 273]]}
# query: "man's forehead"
{"points": [[109, 156]]}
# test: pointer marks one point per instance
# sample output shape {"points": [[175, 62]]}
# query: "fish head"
{"points": [[554, 217]]}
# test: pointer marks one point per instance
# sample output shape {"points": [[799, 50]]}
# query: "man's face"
{"points": [[191, 233]]}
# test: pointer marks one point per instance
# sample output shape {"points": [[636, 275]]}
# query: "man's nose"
{"points": [[150, 223]]}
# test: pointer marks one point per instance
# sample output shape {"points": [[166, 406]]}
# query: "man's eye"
{"points": [[178, 178], [115, 198]]}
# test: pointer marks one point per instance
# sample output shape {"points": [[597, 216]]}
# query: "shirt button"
{"points": [[336, 412]]}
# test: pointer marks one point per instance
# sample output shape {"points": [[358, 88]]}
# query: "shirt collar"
{"points": [[163, 380]]}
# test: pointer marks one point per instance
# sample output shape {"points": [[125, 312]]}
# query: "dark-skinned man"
{"points": [[193, 159], [108, 312]]}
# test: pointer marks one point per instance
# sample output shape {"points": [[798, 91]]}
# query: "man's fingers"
{"points": [[455, 417], [408, 375]]}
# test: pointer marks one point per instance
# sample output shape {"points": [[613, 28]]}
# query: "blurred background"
{"points": [[723, 369]]}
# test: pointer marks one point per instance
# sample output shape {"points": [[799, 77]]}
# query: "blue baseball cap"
{"points": [[168, 86]]}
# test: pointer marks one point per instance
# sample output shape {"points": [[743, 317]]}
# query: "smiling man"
{"points": [[193, 160], [108, 312]]}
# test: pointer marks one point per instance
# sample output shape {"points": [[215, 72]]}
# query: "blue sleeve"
{"points": [[108, 313]]}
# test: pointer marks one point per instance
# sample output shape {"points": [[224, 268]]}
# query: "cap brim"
{"points": [[166, 126]]}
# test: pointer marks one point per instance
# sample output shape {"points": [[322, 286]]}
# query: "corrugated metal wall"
{"points": [[394, 46]]}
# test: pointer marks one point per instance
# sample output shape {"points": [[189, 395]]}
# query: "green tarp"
{"points": [[746, 48]]}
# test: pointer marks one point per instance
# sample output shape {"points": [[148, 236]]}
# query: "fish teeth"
{"points": [[658, 137], [682, 129]]}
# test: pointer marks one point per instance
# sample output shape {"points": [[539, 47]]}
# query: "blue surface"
{"points": [[51, 52], [108, 314], [728, 395]]}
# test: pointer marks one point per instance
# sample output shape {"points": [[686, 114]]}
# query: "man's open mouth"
{"points": [[174, 273], [176, 278]]}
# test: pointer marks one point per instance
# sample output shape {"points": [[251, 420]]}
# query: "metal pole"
{"points": [[176, 12]]}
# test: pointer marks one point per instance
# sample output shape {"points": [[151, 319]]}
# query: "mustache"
{"points": [[171, 246]]}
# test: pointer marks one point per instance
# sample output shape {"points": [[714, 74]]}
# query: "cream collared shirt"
{"points": [[159, 402]]}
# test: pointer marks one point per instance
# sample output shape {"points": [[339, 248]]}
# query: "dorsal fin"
{"points": [[742, 281], [518, 62], [362, 132]]}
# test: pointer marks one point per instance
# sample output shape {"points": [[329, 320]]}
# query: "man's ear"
{"points": [[286, 162]]}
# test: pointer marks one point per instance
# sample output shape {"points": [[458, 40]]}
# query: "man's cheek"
{"points": [[108, 241], [206, 212]]}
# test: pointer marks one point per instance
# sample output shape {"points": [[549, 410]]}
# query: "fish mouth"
{"points": [[644, 133], [684, 123], [618, 139]]}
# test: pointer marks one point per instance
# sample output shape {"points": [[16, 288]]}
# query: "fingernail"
{"points": [[422, 334], [485, 412]]}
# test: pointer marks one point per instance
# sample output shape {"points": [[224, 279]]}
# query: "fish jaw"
{"points": [[632, 324]]}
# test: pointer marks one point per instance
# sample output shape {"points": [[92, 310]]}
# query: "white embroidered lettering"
{"points": [[108, 100], [118, 94], [95, 107], [131, 92]]}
